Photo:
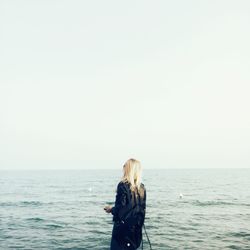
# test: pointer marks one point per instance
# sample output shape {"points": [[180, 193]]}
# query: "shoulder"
{"points": [[122, 186]]}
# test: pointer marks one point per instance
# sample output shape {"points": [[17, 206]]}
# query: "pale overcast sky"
{"points": [[89, 84]]}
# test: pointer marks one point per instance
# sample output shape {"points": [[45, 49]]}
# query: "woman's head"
{"points": [[132, 173]]}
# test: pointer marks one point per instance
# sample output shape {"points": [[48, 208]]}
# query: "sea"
{"points": [[186, 209]]}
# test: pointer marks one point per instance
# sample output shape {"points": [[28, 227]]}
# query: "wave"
{"points": [[240, 234], [54, 226], [48, 224], [218, 203], [35, 219], [21, 203], [25, 203], [31, 203]]}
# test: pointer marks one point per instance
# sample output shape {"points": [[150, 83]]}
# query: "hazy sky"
{"points": [[88, 84]]}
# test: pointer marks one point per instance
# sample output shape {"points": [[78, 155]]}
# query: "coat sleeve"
{"points": [[120, 200]]}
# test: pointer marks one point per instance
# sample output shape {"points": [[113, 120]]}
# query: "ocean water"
{"points": [[64, 209]]}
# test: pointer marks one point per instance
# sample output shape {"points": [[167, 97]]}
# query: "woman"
{"points": [[129, 210]]}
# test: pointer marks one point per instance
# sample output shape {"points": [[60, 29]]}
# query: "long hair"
{"points": [[132, 174]]}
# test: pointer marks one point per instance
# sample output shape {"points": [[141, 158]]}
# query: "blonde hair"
{"points": [[132, 174]]}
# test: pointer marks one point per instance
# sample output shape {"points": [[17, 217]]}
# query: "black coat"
{"points": [[124, 197]]}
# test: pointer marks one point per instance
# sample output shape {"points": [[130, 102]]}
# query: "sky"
{"points": [[90, 84]]}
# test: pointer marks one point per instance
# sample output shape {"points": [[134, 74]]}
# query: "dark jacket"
{"points": [[123, 199]]}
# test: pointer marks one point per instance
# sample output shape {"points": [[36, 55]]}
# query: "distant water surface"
{"points": [[64, 209]]}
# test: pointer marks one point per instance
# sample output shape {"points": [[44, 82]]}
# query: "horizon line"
{"points": [[86, 169]]}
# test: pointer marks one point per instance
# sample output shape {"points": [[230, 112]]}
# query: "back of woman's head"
{"points": [[132, 174]]}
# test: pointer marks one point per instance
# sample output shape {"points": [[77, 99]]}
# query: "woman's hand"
{"points": [[108, 208]]}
